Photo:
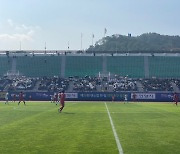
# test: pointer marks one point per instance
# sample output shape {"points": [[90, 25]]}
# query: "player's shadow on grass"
{"points": [[68, 112]]}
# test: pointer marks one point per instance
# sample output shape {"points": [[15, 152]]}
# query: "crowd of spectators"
{"points": [[4, 82], [17, 83], [87, 84], [53, 84], [123, 84], [21, 83], [177, 82], [155, 84]]}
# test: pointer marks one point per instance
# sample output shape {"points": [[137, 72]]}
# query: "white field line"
{"points": [[114, 132]]}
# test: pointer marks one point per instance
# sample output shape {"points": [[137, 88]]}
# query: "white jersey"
{"points": [[52, 98], [6, 96], [125, 97]]}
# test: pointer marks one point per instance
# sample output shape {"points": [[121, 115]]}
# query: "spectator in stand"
{"points": [[134, 97]]}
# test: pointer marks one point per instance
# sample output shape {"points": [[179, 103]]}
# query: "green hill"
{"points": [[148, 42]]}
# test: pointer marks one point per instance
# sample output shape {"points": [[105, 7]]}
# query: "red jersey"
{"points": [[21, 96], [63, 97], [176, 98]]}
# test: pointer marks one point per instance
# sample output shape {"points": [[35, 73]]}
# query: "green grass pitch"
{"points": [[84, 127]]}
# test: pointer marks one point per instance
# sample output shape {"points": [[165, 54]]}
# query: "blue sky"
{"points": [[57, 22]]}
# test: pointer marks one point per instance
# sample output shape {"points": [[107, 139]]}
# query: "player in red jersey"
{"points": [[176, 98], [113, 98], [21, 98], [14, 98], [62, 99]]}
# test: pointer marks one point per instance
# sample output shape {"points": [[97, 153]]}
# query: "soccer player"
{"points": [[59, 97], [30, 97], [175, 98], [113, 98], [6, 98], [62, 99], [14, 98], [52, 98], [56, 98], [21, 98], [125, 99]]}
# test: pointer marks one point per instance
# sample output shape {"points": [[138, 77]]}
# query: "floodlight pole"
{"points": [[68, 45], [20, 46], [81, 41], [92, 39], [45, 47]]}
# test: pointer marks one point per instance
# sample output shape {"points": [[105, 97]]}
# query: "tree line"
{"points": [[148, 42]]}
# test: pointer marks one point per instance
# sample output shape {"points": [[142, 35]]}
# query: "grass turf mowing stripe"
{"points": [[72, 131], [114, 132]]}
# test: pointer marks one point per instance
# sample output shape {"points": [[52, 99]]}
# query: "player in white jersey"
{"points": [[125, 98], [52, 98], [6, 98]]}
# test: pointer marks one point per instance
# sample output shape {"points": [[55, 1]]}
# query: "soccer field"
{"points": [[85, 127]]}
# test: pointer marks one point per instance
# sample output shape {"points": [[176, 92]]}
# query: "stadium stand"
{"points": [[132, 66], [3, 83], [164, 66], [176, 82], [21, 83], [157, 84], [83, 65], [65, 66], [53, 84], [39, 66], [87, 84], [5, 65], [123, 84], [88, 73]]}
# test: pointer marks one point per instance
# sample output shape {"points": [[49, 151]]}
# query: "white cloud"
{"points": [[15, 37], [19, 32], [10, 22], [24, 27], [11, 33]]}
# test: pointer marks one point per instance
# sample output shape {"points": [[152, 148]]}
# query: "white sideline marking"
{"points": [[114, 132]]}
